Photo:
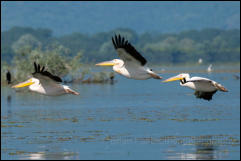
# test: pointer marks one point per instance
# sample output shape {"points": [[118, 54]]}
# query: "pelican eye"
{"points": [[183, 81], [151, 70]]}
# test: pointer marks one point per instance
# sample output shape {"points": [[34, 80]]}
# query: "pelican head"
{"points": [[114, 62], [29, 82], [181, 77]]}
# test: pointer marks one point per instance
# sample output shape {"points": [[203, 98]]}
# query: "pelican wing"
{"points": [[127, 52], [205, 80], [50, 86], [44, 75], [199, 79], [204, 95], [45, 80]]}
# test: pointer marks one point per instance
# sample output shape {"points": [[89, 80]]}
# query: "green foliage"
{"points": [[4, 68], [63, 56], [54, 62], [212, 45]]}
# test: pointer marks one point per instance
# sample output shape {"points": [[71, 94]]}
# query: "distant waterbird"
{"points": [[8, 77], [236, 77], [131, 63], [209, 69], [204, 87], [45, 83]]}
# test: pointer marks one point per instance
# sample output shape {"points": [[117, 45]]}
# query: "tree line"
{"points": [[64, 55], [212, 45]]}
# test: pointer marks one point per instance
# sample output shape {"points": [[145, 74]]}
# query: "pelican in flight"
{"points": [[204, 88], [131, 64], [45, 83]]}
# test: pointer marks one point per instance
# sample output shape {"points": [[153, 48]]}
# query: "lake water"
{"points": [[132, 119]]}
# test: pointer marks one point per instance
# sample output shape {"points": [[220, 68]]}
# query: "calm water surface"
{"points": [[128, 120]]}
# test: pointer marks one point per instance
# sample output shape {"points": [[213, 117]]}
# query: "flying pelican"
{"points": [[131, 64], [204, 88], [45, 83]]}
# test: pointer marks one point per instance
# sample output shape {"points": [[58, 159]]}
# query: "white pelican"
{"points": [[204, 88], [45, 83], [131, 64]]}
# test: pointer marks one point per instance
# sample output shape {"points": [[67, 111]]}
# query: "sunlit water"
{"points": [[132, 119]]}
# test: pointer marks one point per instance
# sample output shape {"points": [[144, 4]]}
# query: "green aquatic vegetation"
{"points": [[54, 119], [87, 139], [90, 118], [108, 138], [15, 122], [64, 138], [22, 137], [74, 119], [234, 140], [95, 131], [11, 125], [180, 120], [193, 120], [56, 60], [119, 119], [7, 133], [105, 120], [146, 119], [48, 137], [17, 153], [149, 139]]}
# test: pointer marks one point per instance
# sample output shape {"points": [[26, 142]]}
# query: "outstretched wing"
{"points": [[199, 79], [127, 52], [42, 74], [204, 95], [205, 80]]}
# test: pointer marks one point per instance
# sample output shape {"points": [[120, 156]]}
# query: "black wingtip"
{"points": [[114, 43], [120, 42], [38, 68], [42, 69], [45, 73], [35, 67]]}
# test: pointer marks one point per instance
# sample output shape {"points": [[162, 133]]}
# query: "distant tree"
{"points": [[212, 45]]}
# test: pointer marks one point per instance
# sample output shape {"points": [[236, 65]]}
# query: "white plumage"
{"points": [[45, 83], [204, 87], [131, 63]]}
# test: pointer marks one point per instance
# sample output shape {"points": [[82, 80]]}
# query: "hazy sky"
{"points": [[91, 17]]}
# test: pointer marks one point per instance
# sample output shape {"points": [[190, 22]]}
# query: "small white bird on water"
{"points": [[204, 88], [45, 83], [209, 69], [131, 64]]}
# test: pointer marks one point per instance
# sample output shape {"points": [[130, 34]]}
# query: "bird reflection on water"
{"points": [[50, 156], [9, 100], [205, 149]]}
